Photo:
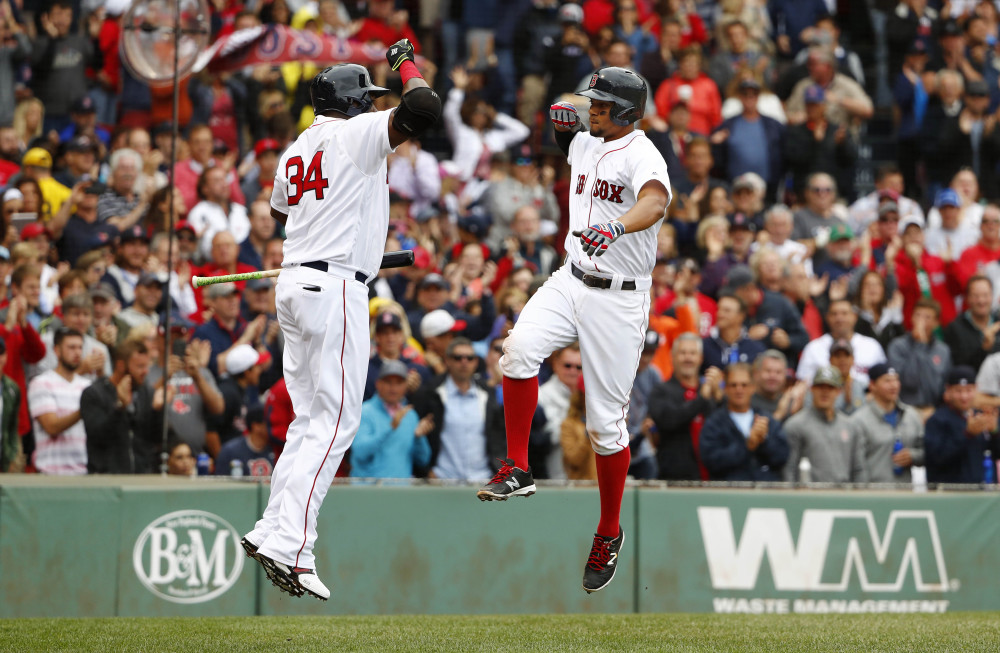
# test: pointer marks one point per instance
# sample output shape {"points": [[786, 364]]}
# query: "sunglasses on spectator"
{"points": [[468, 358], [821, 189], [571, 366]]}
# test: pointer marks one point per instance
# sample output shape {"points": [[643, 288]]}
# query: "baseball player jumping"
{"points": [[331, 193], [600, 296]]}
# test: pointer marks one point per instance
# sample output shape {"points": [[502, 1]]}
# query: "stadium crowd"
{"points": [[824, 298]]}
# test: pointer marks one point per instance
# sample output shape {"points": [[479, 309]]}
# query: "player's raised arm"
{"points": [[420, 107], [566, 122]]}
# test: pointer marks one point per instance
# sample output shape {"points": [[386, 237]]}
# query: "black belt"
{"points": [[593, 281], [323, 267]]}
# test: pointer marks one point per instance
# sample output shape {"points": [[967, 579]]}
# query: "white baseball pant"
{"points": [[324, 319], [610, 326]]}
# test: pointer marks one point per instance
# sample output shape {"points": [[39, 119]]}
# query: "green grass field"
{"points": [[511, 634]]}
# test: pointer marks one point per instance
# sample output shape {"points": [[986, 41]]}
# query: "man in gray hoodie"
{"points": [[881, 423], [823, 435]]}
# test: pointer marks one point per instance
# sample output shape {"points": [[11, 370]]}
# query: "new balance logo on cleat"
{"points": [[601, 564], [509, 481]]}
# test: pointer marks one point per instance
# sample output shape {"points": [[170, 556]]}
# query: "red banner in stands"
{"points": [[277, 44]]}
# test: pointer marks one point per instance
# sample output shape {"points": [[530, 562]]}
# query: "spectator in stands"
{"points": [[145, 308], [240, 393], [738, 443], [953, 236], [944, 106], [841, 318], [921, 359], [911, 98], [737, 52], [433, 295], [911, 20], [80, 162], [919, 273], [553, 399], [579, 462], [188, 171], [105, 308], [54, 398], [771, 319], [120, 415], [252, 454], [750, 142], [971, 139], [476, 130], [882, 421], [890, 184], [728, 342], [59, 60], [390, 340], [224, 259], [794, 22], [261, 176], [462, 446], [879, 315], [770, 396], [180, 460], [972, 336], [226, 329], [975, 258], [525, 246], [956, 435], [846, 101], [817, 144], [678, 408], [36, 165], [78, 314], [778, 227], [823, 435], [83, 230], [12, 457], [693, 87], [262, 228], [385, 25], [818, 213], [522, 188], [216, 211], [195, 394], [647, 377], [768, 268], [391, 440], [133, 250], [853, 390], [120, 205]]}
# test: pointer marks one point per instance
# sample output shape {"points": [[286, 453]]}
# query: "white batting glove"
{"points": [[564, 114]]}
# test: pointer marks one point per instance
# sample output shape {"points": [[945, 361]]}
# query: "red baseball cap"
{"points": [[183, 225], [266, 145], [33, 230]]}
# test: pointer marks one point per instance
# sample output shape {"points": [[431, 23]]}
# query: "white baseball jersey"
{"points": [[332, 182], [606, 179]]}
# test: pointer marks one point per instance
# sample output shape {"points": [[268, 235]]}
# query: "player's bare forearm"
{"points": [[279, 216], [650, 206]]}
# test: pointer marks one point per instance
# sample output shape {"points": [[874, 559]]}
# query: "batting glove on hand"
{"points": [[564, 114], [596, 238], [398, 52]]}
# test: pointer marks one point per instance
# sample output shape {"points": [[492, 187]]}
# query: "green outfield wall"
{"points": [[136, 546]]}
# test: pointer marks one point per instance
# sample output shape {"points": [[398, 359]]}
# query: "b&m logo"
{"points": [[835, 551], [188, 556]]}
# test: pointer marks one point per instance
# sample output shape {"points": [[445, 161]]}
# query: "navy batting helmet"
{"points": [[622, 87], [346, 88]]}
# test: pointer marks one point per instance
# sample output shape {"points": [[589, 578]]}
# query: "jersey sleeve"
{"points": [[279, 194], [366, 140], [648, 165]]}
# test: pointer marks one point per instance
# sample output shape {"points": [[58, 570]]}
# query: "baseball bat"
{"points": [[399, 259]]}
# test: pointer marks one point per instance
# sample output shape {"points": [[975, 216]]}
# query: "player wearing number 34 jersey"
{"points": [[618, 196], [331, 193]]}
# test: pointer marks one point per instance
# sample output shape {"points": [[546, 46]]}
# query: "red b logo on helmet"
{"points": [[593, 80]]}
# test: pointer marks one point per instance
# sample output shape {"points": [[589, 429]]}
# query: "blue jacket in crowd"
{"points": [[380, 451], [725, 454]]}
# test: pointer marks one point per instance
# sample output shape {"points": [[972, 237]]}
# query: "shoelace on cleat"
{"points": [[505, 472], [599, 554]]}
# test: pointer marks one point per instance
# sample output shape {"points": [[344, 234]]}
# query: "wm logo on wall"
{"points": [[834, 551]]}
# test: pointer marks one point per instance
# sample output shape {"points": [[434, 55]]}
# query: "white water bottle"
{"points": [[805, 470], [236, 468]]}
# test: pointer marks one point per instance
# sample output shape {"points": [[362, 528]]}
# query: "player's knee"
{"points": [[606, 444], [517, 361]]}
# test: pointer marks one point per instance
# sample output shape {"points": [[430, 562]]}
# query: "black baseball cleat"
{"points": [[603, 562], [510, 481], [278, 581]]}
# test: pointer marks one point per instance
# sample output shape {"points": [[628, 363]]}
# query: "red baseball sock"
{"points": [[611, 473], [520, 398]]}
